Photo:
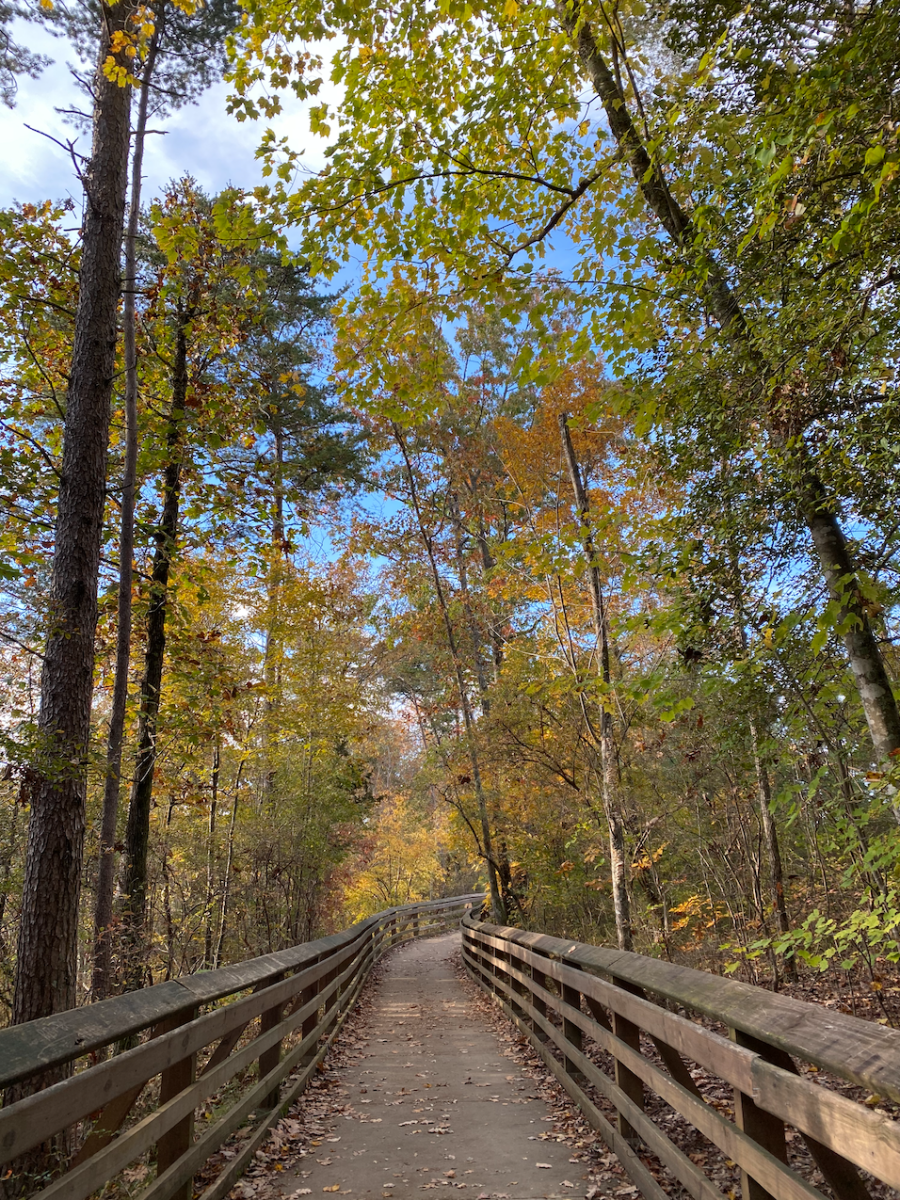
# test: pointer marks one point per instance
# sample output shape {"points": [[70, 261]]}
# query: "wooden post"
{"points": [[519, 988], [540, 1005], [572, 1031], [762, 1126], [631, 1084], [268, 1060], [309, 1022], [175, 1079]]}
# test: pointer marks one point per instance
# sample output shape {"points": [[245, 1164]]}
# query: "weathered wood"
{"points": [[859, 1051], [772, 1174], [36, 1118], [571, 998], [635, 1169], [840, 1174], [626, 1080], [828, 1120], [268, 1060], [52, 1041], [176, 1140]]}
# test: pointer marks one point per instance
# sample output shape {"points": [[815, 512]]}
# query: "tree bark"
{"points": [[211, 857], [610, 783], [498, 908], [226, 882], [818, 511], [56, 783], [103, 906], [137, 834]]}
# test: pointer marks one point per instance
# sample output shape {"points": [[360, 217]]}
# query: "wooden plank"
{"points": [[87, 1178], [51, 1041], [733, 1063], [269, 1058], [815, 1105], [36, 1118], [626, 1080], [176, 1140], [635, 1169], [772, 1174], [852, 1049], [571, 998]]}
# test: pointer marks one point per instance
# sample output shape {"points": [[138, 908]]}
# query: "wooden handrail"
{"points": [[564, 995], [242, 1015]]}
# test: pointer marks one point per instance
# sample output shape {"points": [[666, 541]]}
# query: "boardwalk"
{"points": [[433, 1095], [427, 1100]]}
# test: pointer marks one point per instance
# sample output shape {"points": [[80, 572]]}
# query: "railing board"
{"points": [[42, 1114], [853, 1049], [53, 1041], [672, 1157], [324, 977], [633, 1166], [843, 1127], [732, 1063], [767, 1075], [764, 1167]]}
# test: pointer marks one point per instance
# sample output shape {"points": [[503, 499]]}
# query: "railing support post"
{"points": [[758, 1124], [571, 1031], [173, 1080], [540, 1006], [268, 1060], [630, 1083]]}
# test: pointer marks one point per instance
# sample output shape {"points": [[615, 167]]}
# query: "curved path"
{"points": [[438, 1107]]}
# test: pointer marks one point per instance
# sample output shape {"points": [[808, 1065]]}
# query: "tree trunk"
{"points": [[864, 654], [226, 882], [608, 769], [211, 858], [137, 834], [498, 908], [56, 783], [103, 906]]}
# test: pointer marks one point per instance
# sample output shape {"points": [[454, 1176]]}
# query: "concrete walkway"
{"points": [[437, 1106]]}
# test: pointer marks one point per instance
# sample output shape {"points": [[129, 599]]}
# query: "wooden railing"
{"points": [[585, 1008], [238, 1044]]}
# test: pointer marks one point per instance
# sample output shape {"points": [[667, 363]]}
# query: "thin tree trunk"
{"points": [[137, 834], [226, 882], [103, 908], [498, 908], [866, 660], [610, 783], [56, 783], [211, 857]]}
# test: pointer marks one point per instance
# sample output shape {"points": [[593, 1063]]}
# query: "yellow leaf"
{"points": [[511, 9], [335, 1187]]}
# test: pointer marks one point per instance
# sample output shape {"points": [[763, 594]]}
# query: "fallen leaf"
{"points": [[335, 1187], [544, 1166]]}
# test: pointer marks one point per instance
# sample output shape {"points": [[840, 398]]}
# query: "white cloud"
{"points": [[203, 140]]}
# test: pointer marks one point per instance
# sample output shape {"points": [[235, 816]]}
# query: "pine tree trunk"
{"points": [[137, 834], [103, 905], [618, 861], [56, 784]]}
